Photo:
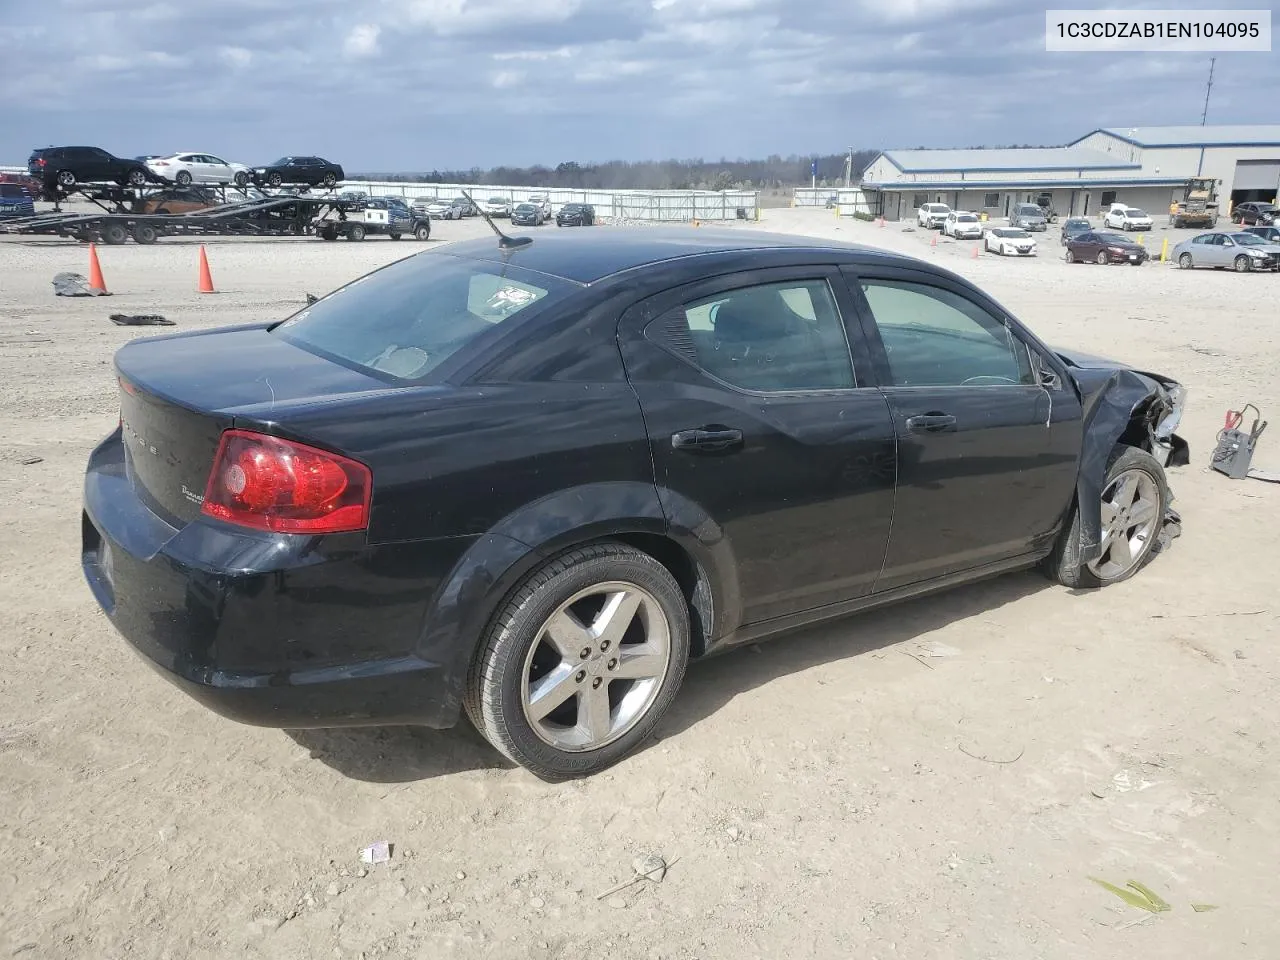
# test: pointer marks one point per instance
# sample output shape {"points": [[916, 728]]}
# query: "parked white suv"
{"points": [[932, 215], [962, 225], [542, 202], [1127, 218]]}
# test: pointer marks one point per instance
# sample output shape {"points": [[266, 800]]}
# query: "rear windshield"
{"points": [[967, 218], [1135, 212], [403, 321]]}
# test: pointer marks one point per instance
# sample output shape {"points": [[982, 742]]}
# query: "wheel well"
{"points": [[688, 573]]}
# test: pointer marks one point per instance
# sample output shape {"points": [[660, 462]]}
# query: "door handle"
{"points": [[931, 423], [709, 438]]}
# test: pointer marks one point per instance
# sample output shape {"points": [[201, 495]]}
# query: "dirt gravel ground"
{"points": [[938, 780]]}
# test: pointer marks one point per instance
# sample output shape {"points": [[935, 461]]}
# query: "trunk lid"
{"points": [[178, 393]]}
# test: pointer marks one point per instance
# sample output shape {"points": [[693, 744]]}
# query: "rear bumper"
{"points": [[270, 630]]}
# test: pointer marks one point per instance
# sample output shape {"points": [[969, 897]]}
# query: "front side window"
{"points": [[404, 320], [935, 338], [772, 337]]}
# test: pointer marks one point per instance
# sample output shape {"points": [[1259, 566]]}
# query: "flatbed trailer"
{"points": [[282, 212], [282, 215]]}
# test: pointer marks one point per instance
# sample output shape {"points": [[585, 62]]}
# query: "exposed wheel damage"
{"points": [[1136, 408]]}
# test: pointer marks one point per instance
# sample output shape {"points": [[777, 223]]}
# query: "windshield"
{"points": [[1030, 210], [1266, 207], [280, 163], [497, 200], [937, 208], [405, 320], [524, 207], [1135, 212]]}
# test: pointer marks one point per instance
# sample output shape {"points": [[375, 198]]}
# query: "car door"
{"points": [[1220, 249], [987, 452], [1085, 246], [767, 441], [94, 165]]}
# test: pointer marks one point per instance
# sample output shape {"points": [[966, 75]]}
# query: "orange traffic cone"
{"points": [[975, 252], [934, 241], [95, 271], [206, 280]]}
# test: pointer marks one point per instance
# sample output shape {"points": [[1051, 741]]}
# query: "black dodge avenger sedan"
{"points": [[530, 482]]}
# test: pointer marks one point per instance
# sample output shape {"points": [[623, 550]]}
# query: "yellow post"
{"points": [[1164, 250], [1140, 239]]}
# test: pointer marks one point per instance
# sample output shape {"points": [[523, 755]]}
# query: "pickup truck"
{"points": [[380, 215]]}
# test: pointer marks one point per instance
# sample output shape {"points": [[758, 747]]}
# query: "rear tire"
{"points": [[183, 179], [114, 233], [394, 236], [330, 180], [144, 233], [518, 654], [329, 232], [137, 177], [66, 179], [1064, 565], [355, 232]]}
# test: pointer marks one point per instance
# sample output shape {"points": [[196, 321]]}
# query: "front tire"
{"points": [[1185, 262], [1242, 264], [241, 179], [422, 232], [1103, 259], [581, 662], [1135, 498], [136, 177], [355, 232], [274, 180], [1071, 257]]}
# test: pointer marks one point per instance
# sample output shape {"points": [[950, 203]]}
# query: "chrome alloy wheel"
{"points": [[596, 666], [1130, 516]]}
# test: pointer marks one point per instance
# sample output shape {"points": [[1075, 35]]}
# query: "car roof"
{"points": [[602, 253]]}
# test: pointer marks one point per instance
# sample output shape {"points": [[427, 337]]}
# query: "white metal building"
{"points": [[1141, 166]]}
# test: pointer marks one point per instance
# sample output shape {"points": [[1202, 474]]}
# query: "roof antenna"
{"points": [[505, 242]]}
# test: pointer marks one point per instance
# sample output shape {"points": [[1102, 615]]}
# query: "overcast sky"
{"points": [[383, 85]]}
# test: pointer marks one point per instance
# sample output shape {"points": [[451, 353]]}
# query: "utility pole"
{"points": [[1205, 115], [848, 169]]}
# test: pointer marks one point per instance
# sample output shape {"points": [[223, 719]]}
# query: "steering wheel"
{"points": [[985, 380]]}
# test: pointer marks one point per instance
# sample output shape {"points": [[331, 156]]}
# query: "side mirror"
{"points": [[1049, 379]]}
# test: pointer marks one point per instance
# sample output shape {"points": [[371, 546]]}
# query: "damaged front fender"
{"points": [[1121, 405]]}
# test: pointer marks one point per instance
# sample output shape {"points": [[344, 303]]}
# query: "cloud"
{"points": [[362, 41], [422, 84]]}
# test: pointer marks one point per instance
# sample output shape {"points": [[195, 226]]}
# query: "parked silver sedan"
{"points": [[1240, 251]]}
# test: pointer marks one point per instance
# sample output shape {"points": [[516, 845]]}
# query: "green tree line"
{"points": [[771, 172]]}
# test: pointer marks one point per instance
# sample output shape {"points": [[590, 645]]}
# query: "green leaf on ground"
{"points": [[1143, 898]]}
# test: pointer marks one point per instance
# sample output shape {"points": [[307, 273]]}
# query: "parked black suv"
{"points": [[313, 171], [66, 166], [576, 215]]}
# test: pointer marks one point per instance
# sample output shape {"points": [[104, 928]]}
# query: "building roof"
{"points": [[1225, 135], [1013, 159]]}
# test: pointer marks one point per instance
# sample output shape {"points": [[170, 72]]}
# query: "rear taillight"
{"points": [[271, 484]]}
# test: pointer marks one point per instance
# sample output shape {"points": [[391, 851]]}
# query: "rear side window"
{"points": [[771, 337], [403, 321]]}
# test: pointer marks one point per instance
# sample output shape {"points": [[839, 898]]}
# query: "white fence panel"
{"points": [[655, 205], [851, 200], [813, 196]]}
